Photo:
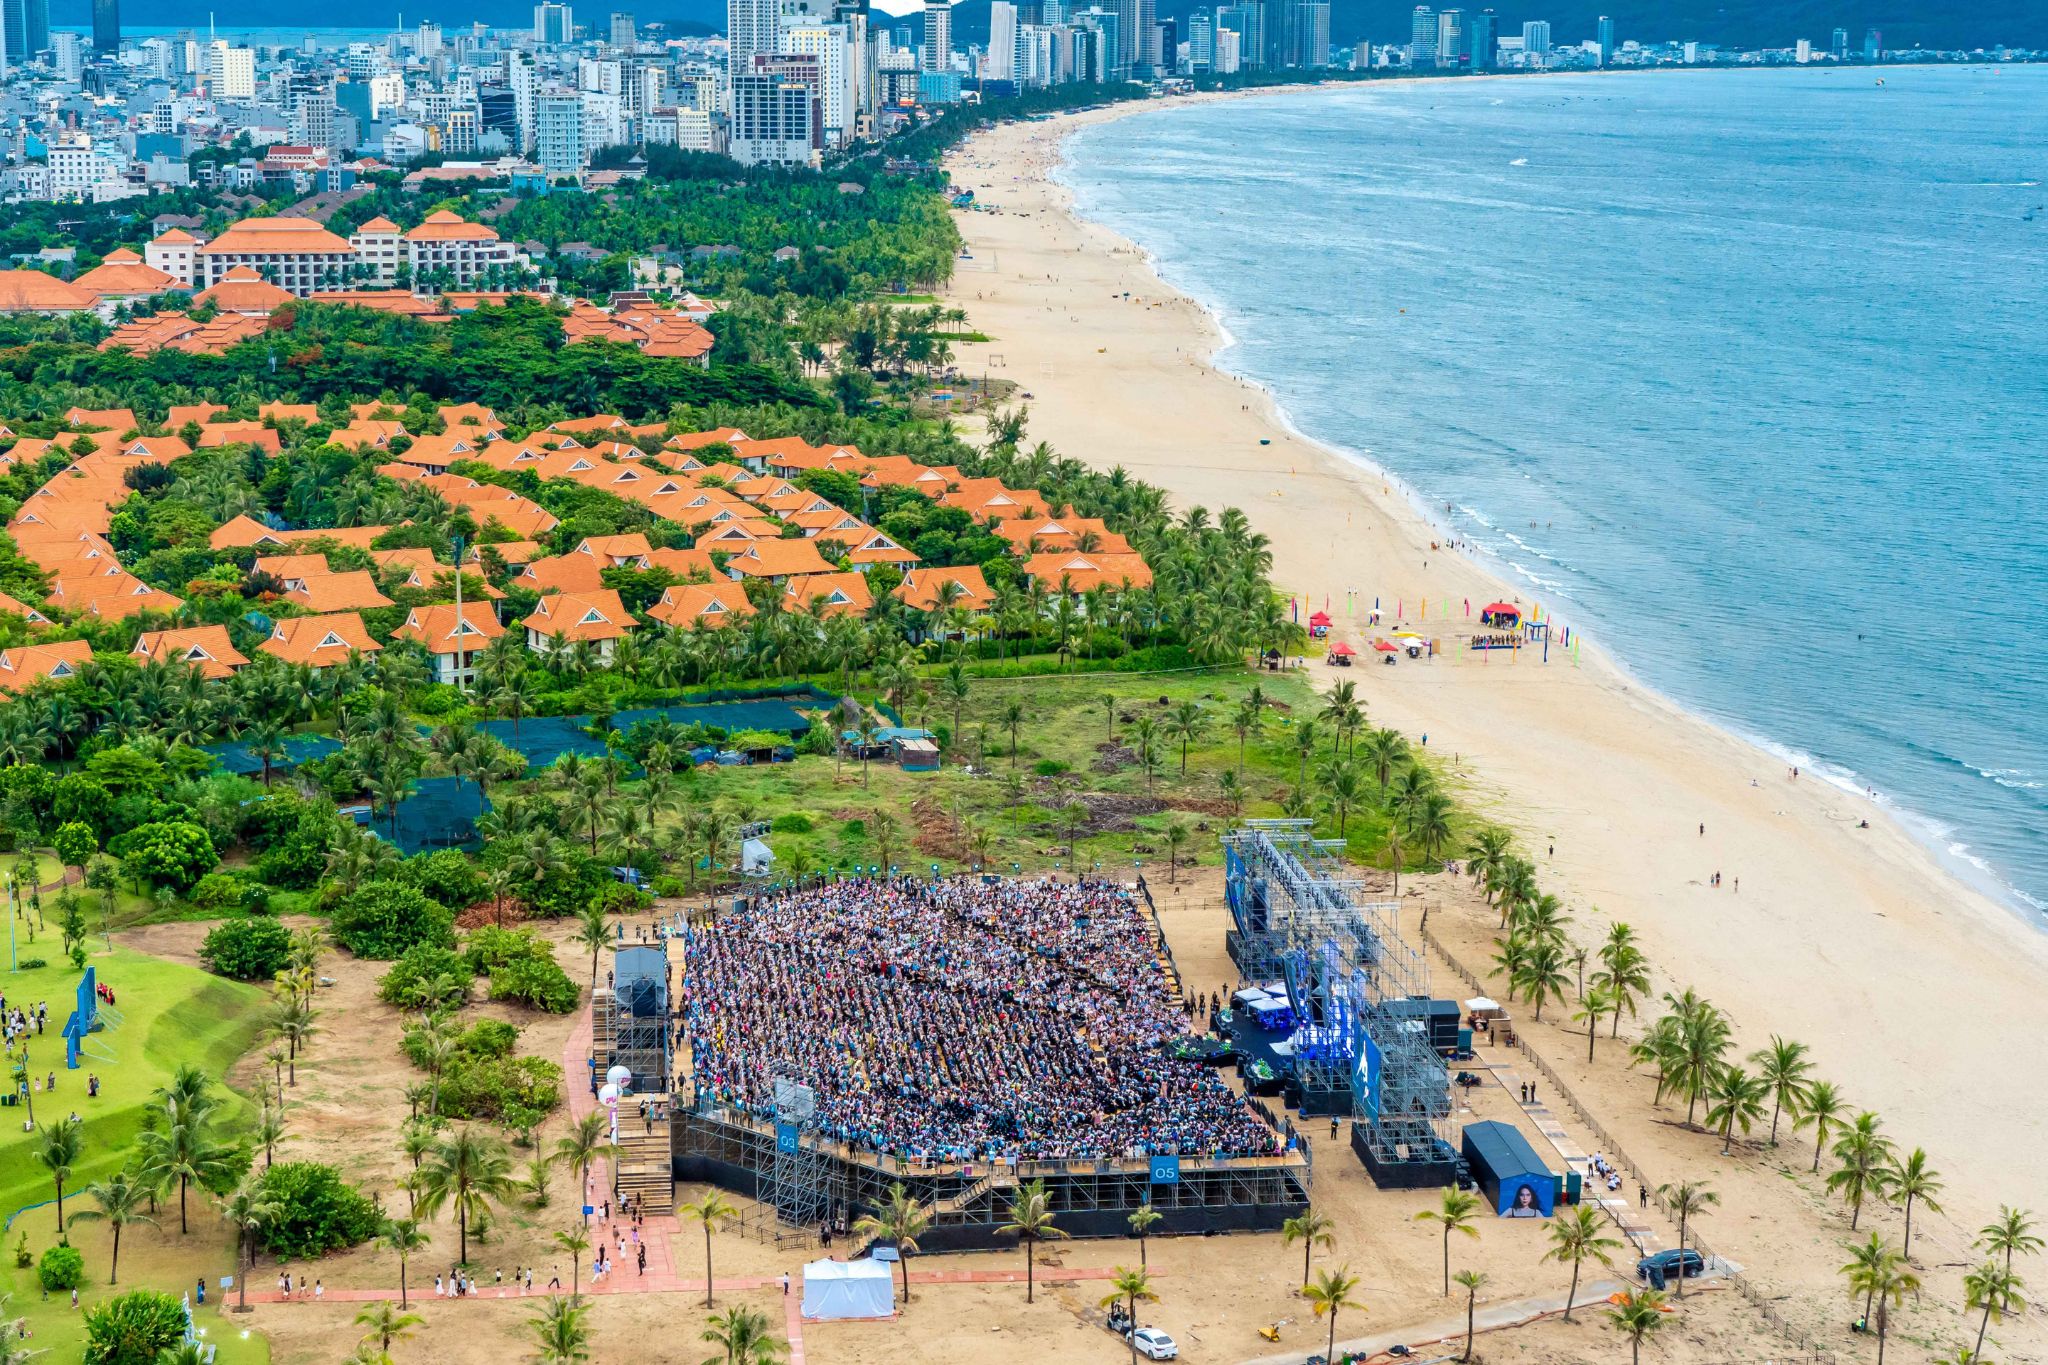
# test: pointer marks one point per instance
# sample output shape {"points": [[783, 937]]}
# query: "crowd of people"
{"points": [[958, 1020]]}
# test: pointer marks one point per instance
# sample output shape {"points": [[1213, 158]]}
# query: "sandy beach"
{"points": [[1907, 983]]}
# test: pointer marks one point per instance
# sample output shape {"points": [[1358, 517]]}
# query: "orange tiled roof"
{"points": [[31, 291], [290, 567], [206, 648], [1061, 533], [242, 290], [289, 412], [276, 236], [442, 632], [322, 641], [926, 589], [611, 551], [177, 332], [696, 606], [202, 413], [22, 609], [123, 273], [562, 573], [116, 420], [843, 594], [682, 563], [447, 227], [29, 664], [574, 616], [1082, 572], [331, 592], [379, 226]]}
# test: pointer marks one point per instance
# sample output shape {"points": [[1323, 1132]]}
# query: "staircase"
{"points": [[977, 1203], [645, 1168]]}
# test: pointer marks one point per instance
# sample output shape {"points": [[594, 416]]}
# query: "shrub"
{"points": [[667, 884], [61, 1268], [485, 1040], [173, 853], [795, 822], [539, 982], [382, 919], [491, 947], [318, 1211], [133, 1328], [1048, 767], [247, 949], [419, 963], [228, 891], [447, 875], [491, 1088]]}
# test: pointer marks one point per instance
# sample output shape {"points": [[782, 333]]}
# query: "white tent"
{"points": [[756, 858], [848, 1289]]}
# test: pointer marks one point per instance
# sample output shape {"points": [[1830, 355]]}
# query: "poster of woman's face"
{"points": [[1531, 1198]]}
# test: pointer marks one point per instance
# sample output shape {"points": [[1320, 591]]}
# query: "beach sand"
{"points": [[1913, 989]]}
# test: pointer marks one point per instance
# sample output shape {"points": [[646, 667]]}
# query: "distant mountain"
{"points": [[1732, 23]]}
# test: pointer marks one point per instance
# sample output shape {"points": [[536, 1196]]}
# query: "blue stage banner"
{"points": [[1166, 1170], [1365, 1076], [785, 1137]]}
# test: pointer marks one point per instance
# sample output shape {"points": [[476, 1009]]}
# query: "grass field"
{"points": [[172, 1015]]}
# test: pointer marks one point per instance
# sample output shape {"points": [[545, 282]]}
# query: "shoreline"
{"points": [[1615, 773]]}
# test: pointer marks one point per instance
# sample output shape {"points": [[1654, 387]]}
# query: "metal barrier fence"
{"points": [[1612, 1149]]}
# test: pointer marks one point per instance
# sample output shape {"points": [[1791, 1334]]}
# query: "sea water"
{"points": [[1746, 373]]}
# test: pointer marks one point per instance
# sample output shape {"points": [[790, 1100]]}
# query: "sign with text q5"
{"points": [[785, 1137], [1166, 1170]]}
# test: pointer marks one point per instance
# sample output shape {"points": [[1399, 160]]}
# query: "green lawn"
{"points": [[171, 1015]]}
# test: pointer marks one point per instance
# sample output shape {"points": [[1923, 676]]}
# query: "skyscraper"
{"points": [[558, 131], [1873, 44], [1422, 37], [1840, 46], [1536, 38], [750, 30], [106, 27], [27, 25], [1450, 38], [624, 32], [938, 35], [1202, 40], [1606, 40], [1002, 41], [1485, 26], [552, 23], [1315, 33]]}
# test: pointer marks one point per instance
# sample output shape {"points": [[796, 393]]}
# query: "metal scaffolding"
{"points": [[800, 1182], [1358, 990], [642, 1026]]}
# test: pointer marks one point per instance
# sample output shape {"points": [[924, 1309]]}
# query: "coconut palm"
{"points": [[1344, 791], [469, 1170], [588, 1141], [1542, 976], [576, 1242], [1995, 1289], [1625, 974], [1638, 1316], [1912, 1181], [1735, 1099], [1596, 1002], [1891, 1284], [901, 1219], [247, 1210], [1861, 1270], [1823, 1110], [560, 1333], [1312, 1230], [2013, 1231], [1142, 1220], [1458, 1212], [1575, 1238], [1031, 1222], [1130, 1288], [1471, 1281], [1787, 1075], [120, 1199], [741, 1336], [1331, 1295], [709, 1211], [402, 1236], [384, 1324], [1685, 1201], [1866, 1157], [56, 1151]]}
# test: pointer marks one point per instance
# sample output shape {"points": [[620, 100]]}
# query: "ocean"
{"points": [[1743, 373]]}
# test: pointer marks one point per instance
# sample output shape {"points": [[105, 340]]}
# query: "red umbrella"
{"points": [[1342, 650]]}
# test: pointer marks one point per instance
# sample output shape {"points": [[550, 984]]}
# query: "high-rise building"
{"points": [[1840, 45], [1315, 33], [1605, 33], [938, 35], [835, 90], [1422, 37], [625, 33], [1227, 58], [106, 27], [553, 23], [1873, 44], [524, 81], [1450, 38], [771, 121], [1247, 19], [230, 71], [67, 55], [1802, 51], [1536, 38], [750, 30], [27, 25], [1001, 61], [558, 131], [1202, 40], [1485, 38]]}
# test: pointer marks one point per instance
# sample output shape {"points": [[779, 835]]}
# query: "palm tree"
{"points": [[1343, 791], [575, 1241], [1543, 975], [1331, 1294], [1177, 834], [57, 1152], [247, 1210], [1735, 1098], [1185, 722], [385, 1324], [181, 1149], [1575, 1238], [1597, 1001], [2014, 1231], [1685, 1201], [1012, 718], [1639, 1315], [1384, 750], [120, 1198], [1863, 1266], [1130, 1288], [1866, 1156], [1312, 1230], [901, 1220], [1822, 1109], [741, 1335], [709, 1211], [1472, 1281], [1031, 1222], [470, 1170], [588, 1141], [1891, 1284], [1142, 1220], [1625, 975], [1995, 1289], [1457, 1213], [1786, 1074], [1910, 1180], [560, 1333], [403, 1236]]}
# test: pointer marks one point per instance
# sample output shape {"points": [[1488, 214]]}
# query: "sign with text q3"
{"points": [[1166, 1170], [785, 1137]]}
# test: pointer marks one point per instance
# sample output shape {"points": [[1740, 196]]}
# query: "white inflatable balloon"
{"points": [[620, 1076], [608, 1096]]}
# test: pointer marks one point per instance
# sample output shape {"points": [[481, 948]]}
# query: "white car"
{"points": [[1154, 1344]]}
